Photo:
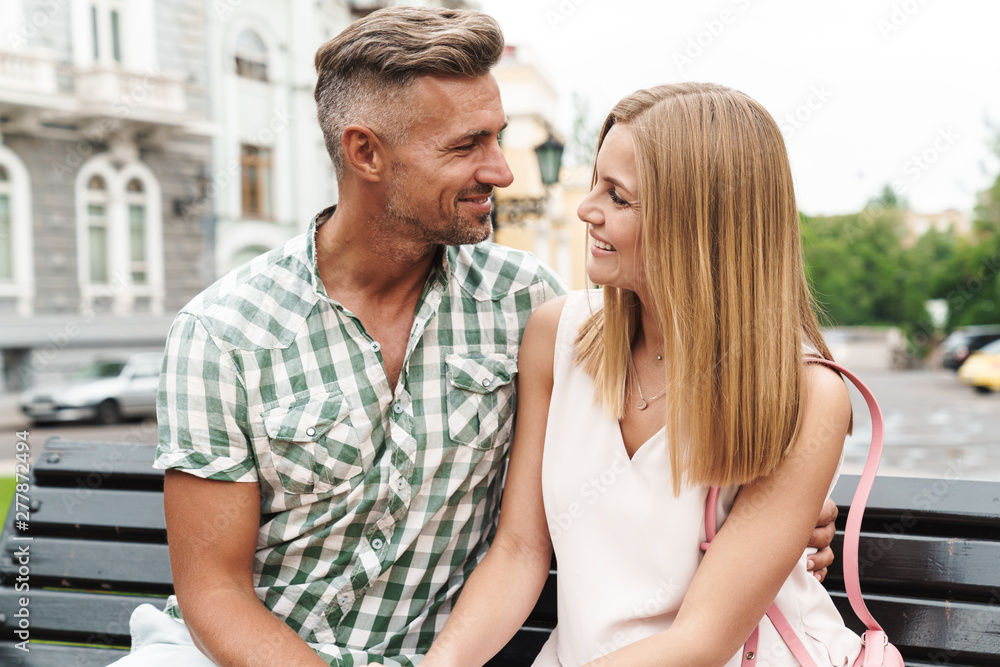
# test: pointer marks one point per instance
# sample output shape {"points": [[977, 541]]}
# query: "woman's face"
{"points": [[612, 212]]}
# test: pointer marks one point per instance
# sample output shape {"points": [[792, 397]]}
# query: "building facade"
{"points": [[103, 130]]}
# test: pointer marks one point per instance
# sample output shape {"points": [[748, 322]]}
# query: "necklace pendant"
{"points": [[642, 404]]}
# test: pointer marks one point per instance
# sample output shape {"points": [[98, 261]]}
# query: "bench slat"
{"points": [[97, 465], [963, 632], [53, 655], [523, 647], [75, 616], [900, 564], [131, 566], [939, 505], [121, 514]]}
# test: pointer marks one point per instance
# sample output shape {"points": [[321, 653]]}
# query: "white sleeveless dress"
{"points": [[627, 548]]}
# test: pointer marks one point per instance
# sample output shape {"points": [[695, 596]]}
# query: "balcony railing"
{"points": [[114, 91], [26, 73]]}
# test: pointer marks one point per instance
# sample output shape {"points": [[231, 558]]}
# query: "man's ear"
{"points": [[364, 153]]}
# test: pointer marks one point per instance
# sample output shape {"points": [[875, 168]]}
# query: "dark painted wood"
{"points": [[52, 655], [522, 648], [97, 465], [945, 507], [928, 560], [964, 633], [123, 514], [77, 563], [77, 616], [948, 568]]}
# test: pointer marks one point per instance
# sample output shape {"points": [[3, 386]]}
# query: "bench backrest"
{"points": [[930, 562]]}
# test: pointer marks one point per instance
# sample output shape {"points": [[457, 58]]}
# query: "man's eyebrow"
{"points": [[482, 133]]}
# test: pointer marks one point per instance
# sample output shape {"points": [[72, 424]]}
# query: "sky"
{"points": [[867, 92]]}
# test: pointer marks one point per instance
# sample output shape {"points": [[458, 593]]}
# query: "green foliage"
{"points": [[866, 270], [6, 497]]}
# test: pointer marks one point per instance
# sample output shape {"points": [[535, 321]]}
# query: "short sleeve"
{"points": [[202, 408]]}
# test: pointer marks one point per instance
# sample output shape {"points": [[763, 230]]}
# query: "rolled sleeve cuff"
{"points": [[207, 466]]}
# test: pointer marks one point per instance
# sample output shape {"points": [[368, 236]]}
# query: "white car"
{"points": [[105, 391]]}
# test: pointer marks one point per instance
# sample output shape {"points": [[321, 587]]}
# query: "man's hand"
{"points": [[821, 538]]}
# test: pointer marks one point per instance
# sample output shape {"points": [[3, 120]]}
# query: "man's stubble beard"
{"points": [[400, 214]]}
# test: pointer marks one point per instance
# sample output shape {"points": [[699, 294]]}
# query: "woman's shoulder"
{"points": [[550, 315]]}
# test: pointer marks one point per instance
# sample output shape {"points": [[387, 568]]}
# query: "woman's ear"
{"points": [[364, 153]]}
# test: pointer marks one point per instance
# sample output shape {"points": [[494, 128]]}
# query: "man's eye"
{"points": [[467, 147]]}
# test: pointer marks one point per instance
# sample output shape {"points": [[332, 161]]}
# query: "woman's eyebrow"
{"points": [[618, 184]]}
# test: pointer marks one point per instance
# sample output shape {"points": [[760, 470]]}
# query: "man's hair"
{"points": [[364, 70]]}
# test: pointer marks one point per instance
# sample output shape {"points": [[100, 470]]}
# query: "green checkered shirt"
{"points": [[375, 506]]}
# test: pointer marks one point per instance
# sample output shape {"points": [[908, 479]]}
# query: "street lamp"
{"points": [[549, 160]]}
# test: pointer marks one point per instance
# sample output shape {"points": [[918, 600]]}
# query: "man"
{"points": [[334, 416]]}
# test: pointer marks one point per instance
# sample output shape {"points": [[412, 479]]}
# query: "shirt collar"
{"points": [[439, 270]]}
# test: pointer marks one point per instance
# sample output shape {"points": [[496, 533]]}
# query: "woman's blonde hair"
{"points": [[722, 262]]}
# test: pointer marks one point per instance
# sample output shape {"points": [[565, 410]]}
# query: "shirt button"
{"points": [[486, 382], [375, 346], [310, 431], [377, 543], [397, 408]]}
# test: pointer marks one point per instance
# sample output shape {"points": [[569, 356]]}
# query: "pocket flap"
{"points": [[304, 422], [480, 373]]}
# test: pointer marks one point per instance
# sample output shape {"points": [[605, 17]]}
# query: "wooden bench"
{"points": [[930, 563]]}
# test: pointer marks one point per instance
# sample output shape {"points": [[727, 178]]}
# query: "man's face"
{"points": [[443, 174]]}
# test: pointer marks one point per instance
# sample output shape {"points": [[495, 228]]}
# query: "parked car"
{"points": [[962, 342], [106, 391], [982, 369]]}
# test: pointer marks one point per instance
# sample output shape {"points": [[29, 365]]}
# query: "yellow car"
{"points": [[981, 370]]}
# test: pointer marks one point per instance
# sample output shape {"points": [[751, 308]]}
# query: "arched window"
{"points": [[135, 199], [17, 266], [97, 229], [251, 56], [6, 228], [120, 237]]}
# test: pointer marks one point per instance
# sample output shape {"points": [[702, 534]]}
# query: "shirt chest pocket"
{"points": [[313, 448], [480, 398]]}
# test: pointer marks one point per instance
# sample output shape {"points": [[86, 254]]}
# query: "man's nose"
{"points": [[495, 170]]}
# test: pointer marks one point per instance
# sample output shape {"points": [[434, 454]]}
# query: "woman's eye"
{"points": [[616, 200]]}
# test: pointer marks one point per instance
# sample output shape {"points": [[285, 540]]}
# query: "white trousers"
{"points": [[160, 641]]}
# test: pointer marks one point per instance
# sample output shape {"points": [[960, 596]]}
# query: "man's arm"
{"points": [[212, 531]]}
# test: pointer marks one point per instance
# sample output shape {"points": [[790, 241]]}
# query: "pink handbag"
{"points": [[876, 651]]}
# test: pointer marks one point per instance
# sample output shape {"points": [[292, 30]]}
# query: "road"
{"points": [[934, 427]]}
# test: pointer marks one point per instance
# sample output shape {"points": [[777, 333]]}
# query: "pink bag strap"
{"points": [[852, 531], [852, 535]]}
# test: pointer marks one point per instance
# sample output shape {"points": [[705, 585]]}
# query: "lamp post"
{"points": [[549, 156]]}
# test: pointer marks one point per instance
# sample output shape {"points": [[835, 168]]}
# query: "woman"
{"points": [[688, 371]]}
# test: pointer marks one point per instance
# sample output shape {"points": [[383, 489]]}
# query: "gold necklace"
{"points": [[643, 401]]}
